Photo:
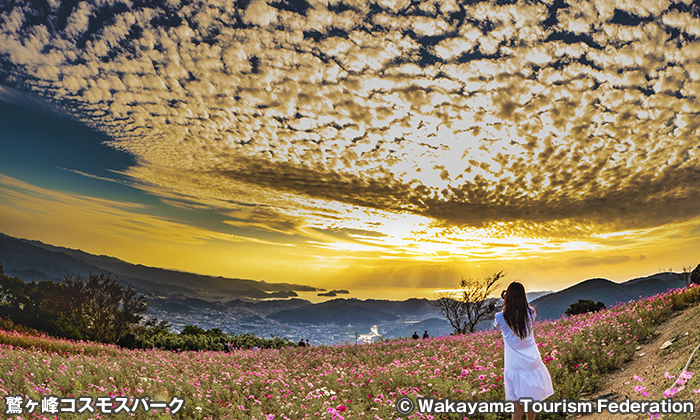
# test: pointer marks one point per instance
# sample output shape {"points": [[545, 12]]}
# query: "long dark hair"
{"points": [[516, 311]]}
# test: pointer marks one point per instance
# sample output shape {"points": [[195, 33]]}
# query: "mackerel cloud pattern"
{"points": [[521, 116]]}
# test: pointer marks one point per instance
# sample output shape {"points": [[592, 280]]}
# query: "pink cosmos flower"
{"points": [[639, 378], [669, 393], [669, 376], [335, 415]]}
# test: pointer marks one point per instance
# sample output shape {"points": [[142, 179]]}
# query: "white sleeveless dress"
{"points": [[524, 373]]}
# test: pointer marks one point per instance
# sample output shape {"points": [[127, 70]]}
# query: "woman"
{"points": [[524, 374]]}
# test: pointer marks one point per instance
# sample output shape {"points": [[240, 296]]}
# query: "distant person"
{"points": [[524, 374], [415, 335], [226, 347], [307, 343], [425, 335], [301, 343]]}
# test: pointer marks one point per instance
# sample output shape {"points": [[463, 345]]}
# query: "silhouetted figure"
{"points": [[301, 343], [415, 335], [226, 348], [425, 335]]}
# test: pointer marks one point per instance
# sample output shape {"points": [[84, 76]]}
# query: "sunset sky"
{"points": [[386, 147]]}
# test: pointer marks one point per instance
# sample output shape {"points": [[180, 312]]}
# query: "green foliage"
{"points": [[584, 306], [95, 308], [22, 302], [249, 341], [155, 327], [8, 325], [192, 330], [195, 330], [101, 308], [695, 275], [63, 327], [195, 338], [683, 300]]}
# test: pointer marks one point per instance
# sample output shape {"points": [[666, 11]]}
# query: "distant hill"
{"points": [[36, 261], [181, 304], [553, 305], [353, 311], [343, 313], [178, 292], [270, 305], [536, 295]]}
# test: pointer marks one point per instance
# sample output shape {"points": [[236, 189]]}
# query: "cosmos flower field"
{"points": [[336, 382]]}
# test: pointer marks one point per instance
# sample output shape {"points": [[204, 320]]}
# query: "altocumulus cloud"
{"points": [[538, 117]]}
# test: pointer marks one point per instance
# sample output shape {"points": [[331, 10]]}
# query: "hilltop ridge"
{"points": [[37, 261], [554, 305], [263, 308]]}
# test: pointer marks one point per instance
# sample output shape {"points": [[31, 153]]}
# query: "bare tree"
{"points": [[465, 308]]}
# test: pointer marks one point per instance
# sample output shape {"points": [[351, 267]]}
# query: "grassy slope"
{"points": [[329, 382]]}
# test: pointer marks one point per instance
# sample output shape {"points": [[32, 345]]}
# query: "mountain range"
{"points": [[37, 261], [171, 291], [553, 305]]}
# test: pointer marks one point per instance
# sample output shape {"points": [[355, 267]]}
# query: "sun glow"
{"points": [[468, 135]]}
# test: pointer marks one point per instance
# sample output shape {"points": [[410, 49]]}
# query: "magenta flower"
{"points": [[639, 378], [335, 415], [669, 393], [685, 375]]}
